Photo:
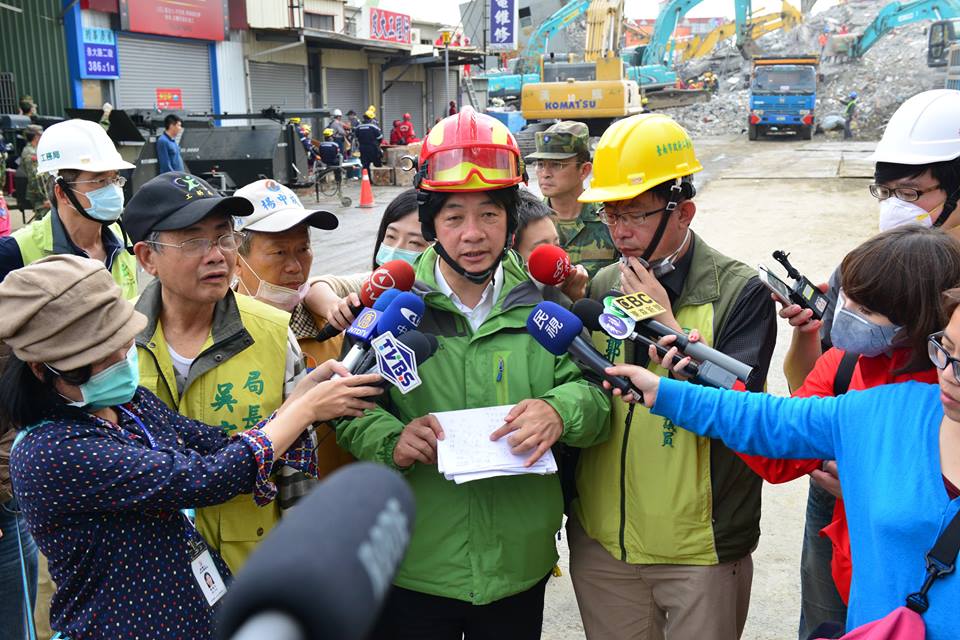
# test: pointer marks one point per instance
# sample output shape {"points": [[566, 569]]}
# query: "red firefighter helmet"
{"points": [[470, 151]]}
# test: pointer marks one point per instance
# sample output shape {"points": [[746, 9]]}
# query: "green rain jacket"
{"points": [[488, 539]]}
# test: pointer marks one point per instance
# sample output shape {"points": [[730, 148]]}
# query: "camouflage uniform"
{"points": [[36, 182], [586, 239]]}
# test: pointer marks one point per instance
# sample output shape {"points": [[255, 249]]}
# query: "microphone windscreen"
{"points": [[588, 311], [553, 327], [549, 264], [395, 274], [385, 299], [329, 564], [403, 314]]}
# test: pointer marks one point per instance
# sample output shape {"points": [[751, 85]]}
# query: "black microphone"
{"points": [[558, 331], [696, 350], [594, 318], [325, 570], [424, 345]]}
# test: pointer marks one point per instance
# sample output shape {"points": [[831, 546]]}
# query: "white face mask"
{"points": [[277, 296], [895, 212]]}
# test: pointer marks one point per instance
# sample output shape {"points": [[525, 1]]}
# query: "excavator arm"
{"points": [[604, 28], [898, 14]]}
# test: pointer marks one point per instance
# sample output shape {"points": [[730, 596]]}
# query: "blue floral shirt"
{"points": [[104, 507]]}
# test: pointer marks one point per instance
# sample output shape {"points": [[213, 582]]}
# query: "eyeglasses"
{"points": [[939, 355], [630, 219], [196, 247], [906, 194], [552, 165], [102, 182]]}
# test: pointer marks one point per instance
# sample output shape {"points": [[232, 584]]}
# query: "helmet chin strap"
{"points": [[676, 191], [476, 277], [950, 204]]}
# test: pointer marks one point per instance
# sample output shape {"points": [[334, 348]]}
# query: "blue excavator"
{"points": [[893, 15]]}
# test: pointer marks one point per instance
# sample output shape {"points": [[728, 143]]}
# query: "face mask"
{"points": [[894, 212], [385, 254], [854, 333], [106, 203], [277, 296], [113, 386]]}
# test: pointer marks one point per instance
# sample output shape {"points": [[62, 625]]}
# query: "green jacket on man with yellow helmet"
{"points": [[484, 540]]}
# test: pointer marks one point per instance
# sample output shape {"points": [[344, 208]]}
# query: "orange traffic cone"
{"points": [[366, 191]]}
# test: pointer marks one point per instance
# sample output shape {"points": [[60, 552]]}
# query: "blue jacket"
{"points": [[168, 154], [886, 441]]}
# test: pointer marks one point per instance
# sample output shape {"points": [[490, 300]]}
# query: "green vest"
{"points": [[235, 382], [36, 242], [665, 513]]}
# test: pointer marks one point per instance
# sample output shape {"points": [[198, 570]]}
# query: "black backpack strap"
{"points": [[941, 560], [841, 383]]}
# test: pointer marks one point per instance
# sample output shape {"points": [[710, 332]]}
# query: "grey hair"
{"points": [[152, 238]]}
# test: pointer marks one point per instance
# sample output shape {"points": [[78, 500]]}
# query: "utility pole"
{"points": [[446, 33]]}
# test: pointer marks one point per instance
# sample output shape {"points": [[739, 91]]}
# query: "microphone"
{"points": [[549, 264], [402, 314], [362, 515], [385, 299], [395, 274], [595, 318], [696, 350], [558, 331], [423, 345]]}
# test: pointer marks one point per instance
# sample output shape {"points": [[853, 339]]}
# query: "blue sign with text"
{"points": [[503, 24], [98, 54]]}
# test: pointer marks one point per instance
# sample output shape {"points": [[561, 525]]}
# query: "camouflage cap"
{"points": [[563, 140]]}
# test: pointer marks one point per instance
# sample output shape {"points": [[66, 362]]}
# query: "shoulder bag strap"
{"points": [[941, 560], [841, 383]]}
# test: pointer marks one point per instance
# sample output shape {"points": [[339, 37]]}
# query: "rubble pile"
{"points": [[891, 71]]}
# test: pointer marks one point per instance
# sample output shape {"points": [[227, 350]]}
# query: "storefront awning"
{"points": [[458, 58], [334, 40]]}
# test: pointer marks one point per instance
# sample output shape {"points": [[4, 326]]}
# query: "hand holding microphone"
{"points": [[550, 265], [395, 274]]}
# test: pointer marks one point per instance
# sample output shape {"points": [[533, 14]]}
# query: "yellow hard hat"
{"points": [[295, 120], [638, 153], [328, 132], [371, 113]]}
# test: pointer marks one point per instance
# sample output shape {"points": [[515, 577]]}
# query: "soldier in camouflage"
{"points": [[36, 182], [562, 162]]}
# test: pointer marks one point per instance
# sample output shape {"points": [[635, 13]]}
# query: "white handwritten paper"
{"points": [[466, 452]]}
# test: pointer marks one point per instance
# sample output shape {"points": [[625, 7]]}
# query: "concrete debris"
{"points": [[891, 71]]}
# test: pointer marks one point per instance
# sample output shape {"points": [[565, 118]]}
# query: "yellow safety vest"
{"points": [[235, 395], [36, 242]]}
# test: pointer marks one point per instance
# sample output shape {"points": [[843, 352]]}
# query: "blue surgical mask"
{"points": [[853, 333], [113, 386], [385, 254], [106, 203]]}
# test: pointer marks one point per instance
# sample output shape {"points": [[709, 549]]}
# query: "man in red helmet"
{"points": [[481, 551], [407, 133]]}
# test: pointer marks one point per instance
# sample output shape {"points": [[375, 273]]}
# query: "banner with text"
{"points": [[504, 24], [200, 19]]}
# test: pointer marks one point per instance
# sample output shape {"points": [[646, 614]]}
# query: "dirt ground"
{"points": [[755, 198]]}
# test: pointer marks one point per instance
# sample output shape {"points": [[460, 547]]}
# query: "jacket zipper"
{"points": [[623, 483]]}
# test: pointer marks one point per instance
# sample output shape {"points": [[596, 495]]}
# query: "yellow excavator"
{"points": [[594, 92], [787, 18]]}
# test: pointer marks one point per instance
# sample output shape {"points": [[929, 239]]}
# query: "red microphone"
{"points": [[549, 264], [395, 274]]}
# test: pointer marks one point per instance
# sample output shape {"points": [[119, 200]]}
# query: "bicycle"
{"points": [[328, 180]]}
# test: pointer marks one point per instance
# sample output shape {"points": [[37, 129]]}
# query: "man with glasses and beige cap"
{"points": [[214, 356], [86, 194], [274, 264]]}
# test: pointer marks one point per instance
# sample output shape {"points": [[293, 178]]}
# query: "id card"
{"points": [[207, 576]]}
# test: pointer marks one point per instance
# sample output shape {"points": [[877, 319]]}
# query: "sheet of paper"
{"points": [[466, 453]]}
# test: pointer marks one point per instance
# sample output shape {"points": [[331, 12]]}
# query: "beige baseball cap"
{"points": [[277, 208], [66, 311]]}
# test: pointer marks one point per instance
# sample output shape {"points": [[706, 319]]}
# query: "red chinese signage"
{"points": [[388, 26], [170, 99], [200, 19]]}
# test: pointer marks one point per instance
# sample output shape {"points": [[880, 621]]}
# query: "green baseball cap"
{"points": [[562, 140]]}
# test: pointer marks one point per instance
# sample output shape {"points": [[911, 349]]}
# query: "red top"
{"points": [[869, 372]]}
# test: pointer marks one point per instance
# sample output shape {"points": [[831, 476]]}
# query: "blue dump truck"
{"points": [[783, 95]]}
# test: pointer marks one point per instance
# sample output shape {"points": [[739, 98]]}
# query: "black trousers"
{"points": [[411, 615]]}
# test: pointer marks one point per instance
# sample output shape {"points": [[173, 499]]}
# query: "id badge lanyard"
{"points": [[201, 561]]}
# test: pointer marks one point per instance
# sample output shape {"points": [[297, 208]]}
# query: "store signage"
{"points": [[385, 26], [170, 99], [504, 24], [98, 54], [200, 19]]}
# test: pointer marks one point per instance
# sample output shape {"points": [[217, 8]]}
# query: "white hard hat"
{"points": [[925, 129], [78, 144], [337, 112], [276, 208]]}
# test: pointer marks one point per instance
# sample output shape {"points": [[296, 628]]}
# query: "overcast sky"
{"points": [[448, 12]]}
